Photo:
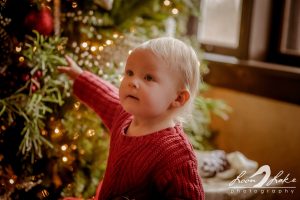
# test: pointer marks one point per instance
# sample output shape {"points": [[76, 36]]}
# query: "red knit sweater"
{"points": [[160, 165]]}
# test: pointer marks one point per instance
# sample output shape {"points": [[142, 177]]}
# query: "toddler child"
{"points": [[149, 155]]}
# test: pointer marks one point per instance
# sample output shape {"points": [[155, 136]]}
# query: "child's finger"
{"points": [[71, 72], [63, 69], [70, 61]]}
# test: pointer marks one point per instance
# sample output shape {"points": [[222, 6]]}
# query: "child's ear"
{"points": [[182, 97]]}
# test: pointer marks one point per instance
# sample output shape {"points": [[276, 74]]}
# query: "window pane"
{"points": [[291, 28], [220, 22]]}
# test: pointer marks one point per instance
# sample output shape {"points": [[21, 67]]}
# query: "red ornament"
{"points": [[38, 74], [41, 20], [33, 88], [25, 77]]}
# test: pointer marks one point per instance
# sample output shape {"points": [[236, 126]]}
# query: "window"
{"points": [[285, 38], [262, 30], [223, 27], [290, 41], [252, 46], [220, 24]]}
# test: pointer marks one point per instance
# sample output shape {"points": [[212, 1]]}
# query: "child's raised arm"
{"points": [[96, 93]]}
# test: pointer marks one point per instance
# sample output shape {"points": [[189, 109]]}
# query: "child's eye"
{"points": [[129, 73], [148, 78]]}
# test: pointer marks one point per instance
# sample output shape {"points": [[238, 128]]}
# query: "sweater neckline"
{"points": [[160, 133]]}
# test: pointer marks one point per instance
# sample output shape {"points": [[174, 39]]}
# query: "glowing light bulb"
{"points": [[44, 132], [73, 147], [18, 49], [56, 130], [64, 159], [64, 147], [11, 181], [115, 35], [74, 4], [21, 59], [167, 2], [77, 105], [3, 128], [84, 44], [93, 48], [108, 42], [90, 132], [175, 11]]}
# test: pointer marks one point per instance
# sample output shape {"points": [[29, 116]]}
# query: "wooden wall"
{"points": [[264, 129]]}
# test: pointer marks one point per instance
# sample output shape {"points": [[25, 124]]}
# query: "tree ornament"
{"points": [[40, 20], [106, 4], [25, 77], [33, 88], [38, 74]]}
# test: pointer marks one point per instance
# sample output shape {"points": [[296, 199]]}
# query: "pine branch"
{"points": [[42, 54]]}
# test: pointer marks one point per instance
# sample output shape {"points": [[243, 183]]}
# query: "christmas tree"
{"points": [[50, 144]]}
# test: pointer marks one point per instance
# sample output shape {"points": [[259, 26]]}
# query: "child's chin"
{"points": [[130, 109]]}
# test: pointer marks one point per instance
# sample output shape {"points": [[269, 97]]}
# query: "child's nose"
{"points": [[133, 83]]}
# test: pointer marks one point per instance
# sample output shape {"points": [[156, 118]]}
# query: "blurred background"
{"points": [[253, 52]]}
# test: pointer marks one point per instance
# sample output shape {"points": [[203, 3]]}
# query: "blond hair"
{"points": [[181, 57]]}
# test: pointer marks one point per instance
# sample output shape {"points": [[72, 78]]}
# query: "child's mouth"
{"points": [[132, 97]]}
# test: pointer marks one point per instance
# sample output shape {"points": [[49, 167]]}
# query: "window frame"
{"points": [[275, 54], [241, 51], [257, 66]]}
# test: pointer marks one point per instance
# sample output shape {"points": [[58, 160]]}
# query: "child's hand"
{"points": [[72, 70]]}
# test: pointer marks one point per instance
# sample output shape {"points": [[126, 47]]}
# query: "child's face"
{"points": [[149, 86]]}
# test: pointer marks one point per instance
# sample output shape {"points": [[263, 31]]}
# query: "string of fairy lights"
{"points": [[89, 50], [57, 131]]}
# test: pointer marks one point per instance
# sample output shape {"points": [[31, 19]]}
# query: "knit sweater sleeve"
{"points": [[181, 182], [99, 95]]}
